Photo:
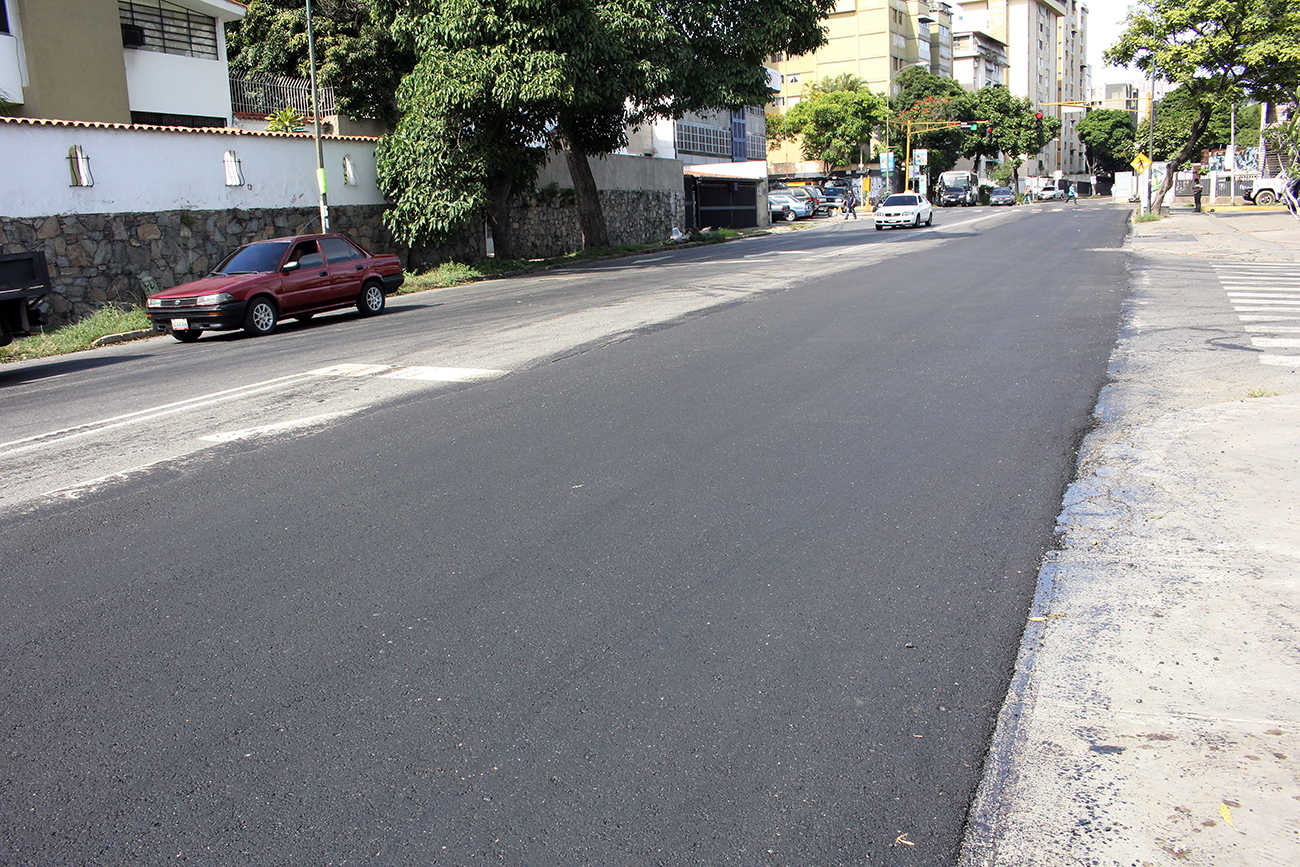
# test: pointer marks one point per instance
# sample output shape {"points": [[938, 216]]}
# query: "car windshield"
{"points": [[955, 191], [253, 259], [898, 201], [1002, 191]]}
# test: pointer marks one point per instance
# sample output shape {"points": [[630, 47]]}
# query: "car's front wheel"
{"points": [[371, 299], [929, 221], [262, 317]]}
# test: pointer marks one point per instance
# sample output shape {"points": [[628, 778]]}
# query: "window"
{"points": [[79, 163], [157, 25], [695, 139], [349, 171], [234, 175], [339, 250], [306, 255], [4, 17]]}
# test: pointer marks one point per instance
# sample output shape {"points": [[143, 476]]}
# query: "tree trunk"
{"points": [[591, 216], [1199, 126], [499, 218]]}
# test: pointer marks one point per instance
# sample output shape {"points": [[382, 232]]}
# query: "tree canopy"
{"points": [[1108, 134], [1216, 51], [834, 121]]}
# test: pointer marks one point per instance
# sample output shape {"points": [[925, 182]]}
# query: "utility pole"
{"points": [[315, 110]]}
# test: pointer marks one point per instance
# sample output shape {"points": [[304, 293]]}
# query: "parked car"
{"points": [[789, 207], [954, 196], [809, 195], [833, 198], [1002, 196], [261, 283], [904, 209], [1049, 194]]}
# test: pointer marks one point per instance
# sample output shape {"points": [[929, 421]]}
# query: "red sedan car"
{"points": [[261, 283]]}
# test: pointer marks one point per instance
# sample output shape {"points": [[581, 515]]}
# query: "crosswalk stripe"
{"points": [[444, 374], [1265, 295]]}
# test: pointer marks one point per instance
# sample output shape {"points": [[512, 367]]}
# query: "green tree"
{"points": [[833, 126], [926, 99], [1015, 128], [1217, 51], [359, 51], [1108, 133], [1175, 115]]}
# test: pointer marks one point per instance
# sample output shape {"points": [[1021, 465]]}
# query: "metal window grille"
{"points": [[169, 28], [695, 139], [757, 145], [79, 163], [272, 93]]}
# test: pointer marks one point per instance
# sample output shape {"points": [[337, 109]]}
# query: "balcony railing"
{"points": [[268, 95]]}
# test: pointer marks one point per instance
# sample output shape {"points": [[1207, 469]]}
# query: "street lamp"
{"points": [[315, 110], [889, 95]]}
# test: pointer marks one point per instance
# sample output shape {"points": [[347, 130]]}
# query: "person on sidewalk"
{"points": [[1196, 196]]}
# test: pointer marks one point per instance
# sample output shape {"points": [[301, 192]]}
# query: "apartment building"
{"points": [[978, 60], [1073, 84], [873, 40], [118, 61]]}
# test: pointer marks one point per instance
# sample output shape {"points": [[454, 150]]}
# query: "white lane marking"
{"points": [[651, 259], [1281, 360], [1273, 329], [18, 446], [1265, 296], [1276, 342], [279, 427], [1268, 318], [1288, 308], [350, 370], [444, 374]]}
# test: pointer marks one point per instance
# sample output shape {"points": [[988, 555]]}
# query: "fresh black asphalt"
{"points": [[746, 590]]}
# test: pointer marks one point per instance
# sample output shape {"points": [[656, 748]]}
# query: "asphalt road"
{"points": [[716, 558]]}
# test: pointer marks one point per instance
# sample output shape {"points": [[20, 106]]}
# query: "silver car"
{"points": [[904, 209]]}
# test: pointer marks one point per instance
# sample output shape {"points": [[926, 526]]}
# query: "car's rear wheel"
{"points": [[371, 299], [262, 317], [189, 335], [1264, 197], [790, 216]]}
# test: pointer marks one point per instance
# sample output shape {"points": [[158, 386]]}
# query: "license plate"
{"points": [[180, 325]]}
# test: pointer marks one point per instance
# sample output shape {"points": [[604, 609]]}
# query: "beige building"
{"points": [[873, 40], [1073, 84], [1031, 31], [118, 61], [978, 60]]}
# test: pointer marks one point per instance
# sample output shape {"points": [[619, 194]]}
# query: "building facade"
{"points": [[978, 60], [118, 61]]}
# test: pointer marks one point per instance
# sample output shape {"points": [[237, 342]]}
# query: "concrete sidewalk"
{"points": [[1154, 718]]}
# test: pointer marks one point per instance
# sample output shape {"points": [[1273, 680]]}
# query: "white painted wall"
{"points": [[146, 170], [177, 84]]}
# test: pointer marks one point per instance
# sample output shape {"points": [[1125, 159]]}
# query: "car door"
{"points": [[308, 284], [346, 266]]}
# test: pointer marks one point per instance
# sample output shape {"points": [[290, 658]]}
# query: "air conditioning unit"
{"points": [[132, 36]]}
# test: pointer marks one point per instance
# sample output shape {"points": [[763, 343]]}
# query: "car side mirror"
{"points": [[291, 266]]}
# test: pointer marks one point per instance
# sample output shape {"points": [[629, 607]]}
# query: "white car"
{"points": [[1049, 194], [904, 209]]}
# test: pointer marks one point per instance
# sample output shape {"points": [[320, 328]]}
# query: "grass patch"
{"points": [[77, 336], [1149, 217], [1261, 392]]}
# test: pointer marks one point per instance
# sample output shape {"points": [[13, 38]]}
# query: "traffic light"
{"points": [[988, 137], [1038, 123], [972, 126]]}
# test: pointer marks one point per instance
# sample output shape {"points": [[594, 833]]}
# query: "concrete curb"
{"points": [[110, 339]]}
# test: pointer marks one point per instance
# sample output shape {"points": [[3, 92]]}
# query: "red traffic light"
{"points": [[1039, 116]]}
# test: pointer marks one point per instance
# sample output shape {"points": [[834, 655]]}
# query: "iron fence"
{"points": [[271, 94]]}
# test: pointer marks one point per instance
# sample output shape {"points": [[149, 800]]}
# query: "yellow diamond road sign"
{"points": [[1141, 163]]}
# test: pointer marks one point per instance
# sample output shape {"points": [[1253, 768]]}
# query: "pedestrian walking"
{"points": [[850, 204], [1196, 196], [1071, 195]]}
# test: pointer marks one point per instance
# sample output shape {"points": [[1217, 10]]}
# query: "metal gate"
{"points": [[721, 204]]}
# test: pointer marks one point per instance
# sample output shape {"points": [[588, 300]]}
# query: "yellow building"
{"points": [[873, 40]]}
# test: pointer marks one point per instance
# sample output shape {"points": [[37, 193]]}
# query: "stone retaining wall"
{"points": [[547, 225], [101, 259]]}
